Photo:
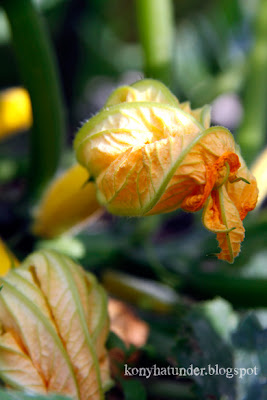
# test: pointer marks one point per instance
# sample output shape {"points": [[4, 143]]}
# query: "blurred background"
{"points": [[197, 309]]}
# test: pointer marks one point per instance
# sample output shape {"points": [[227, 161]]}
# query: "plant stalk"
{"points": [[37, 67], [251, 135], [156, 27]]}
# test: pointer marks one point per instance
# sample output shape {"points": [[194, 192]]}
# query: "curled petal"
{"points": [[244, 195], [222, 217]]}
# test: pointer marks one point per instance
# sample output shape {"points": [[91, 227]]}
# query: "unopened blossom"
{"points": [[54, 324], [150, 154], [68, 203]]}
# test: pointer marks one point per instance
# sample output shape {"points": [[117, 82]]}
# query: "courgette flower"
{"points": [[150, 154], [54, 324]]}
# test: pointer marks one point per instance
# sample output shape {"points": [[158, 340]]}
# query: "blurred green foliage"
{"points": [[97, 47]]}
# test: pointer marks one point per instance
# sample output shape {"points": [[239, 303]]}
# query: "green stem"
{"points": [[155, 23], [242, 292], [251, 135], [38, 71], [145, 294]]}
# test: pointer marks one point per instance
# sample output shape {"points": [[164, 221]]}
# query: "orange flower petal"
{"points": [[215, 176], [222, 217], [243, 195]]}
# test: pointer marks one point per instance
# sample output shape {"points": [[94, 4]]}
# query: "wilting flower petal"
{"points": [[150, 154], [68, 204], [15, 111], [54, 325], [221, 216]]}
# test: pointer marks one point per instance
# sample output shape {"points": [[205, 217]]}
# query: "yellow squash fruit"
{"points": [[150, 154]]}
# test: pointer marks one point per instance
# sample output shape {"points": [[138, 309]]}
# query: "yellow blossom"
{"points": [[15, 111], [150, 154], [7, 259], [69, 202], [54, 324]]}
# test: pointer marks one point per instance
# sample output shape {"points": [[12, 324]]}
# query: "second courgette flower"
{"points": [[150, 154]]}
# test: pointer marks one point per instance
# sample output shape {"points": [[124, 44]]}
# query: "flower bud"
{"points": [[54, 325], [149, 154], [67, 205]]}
